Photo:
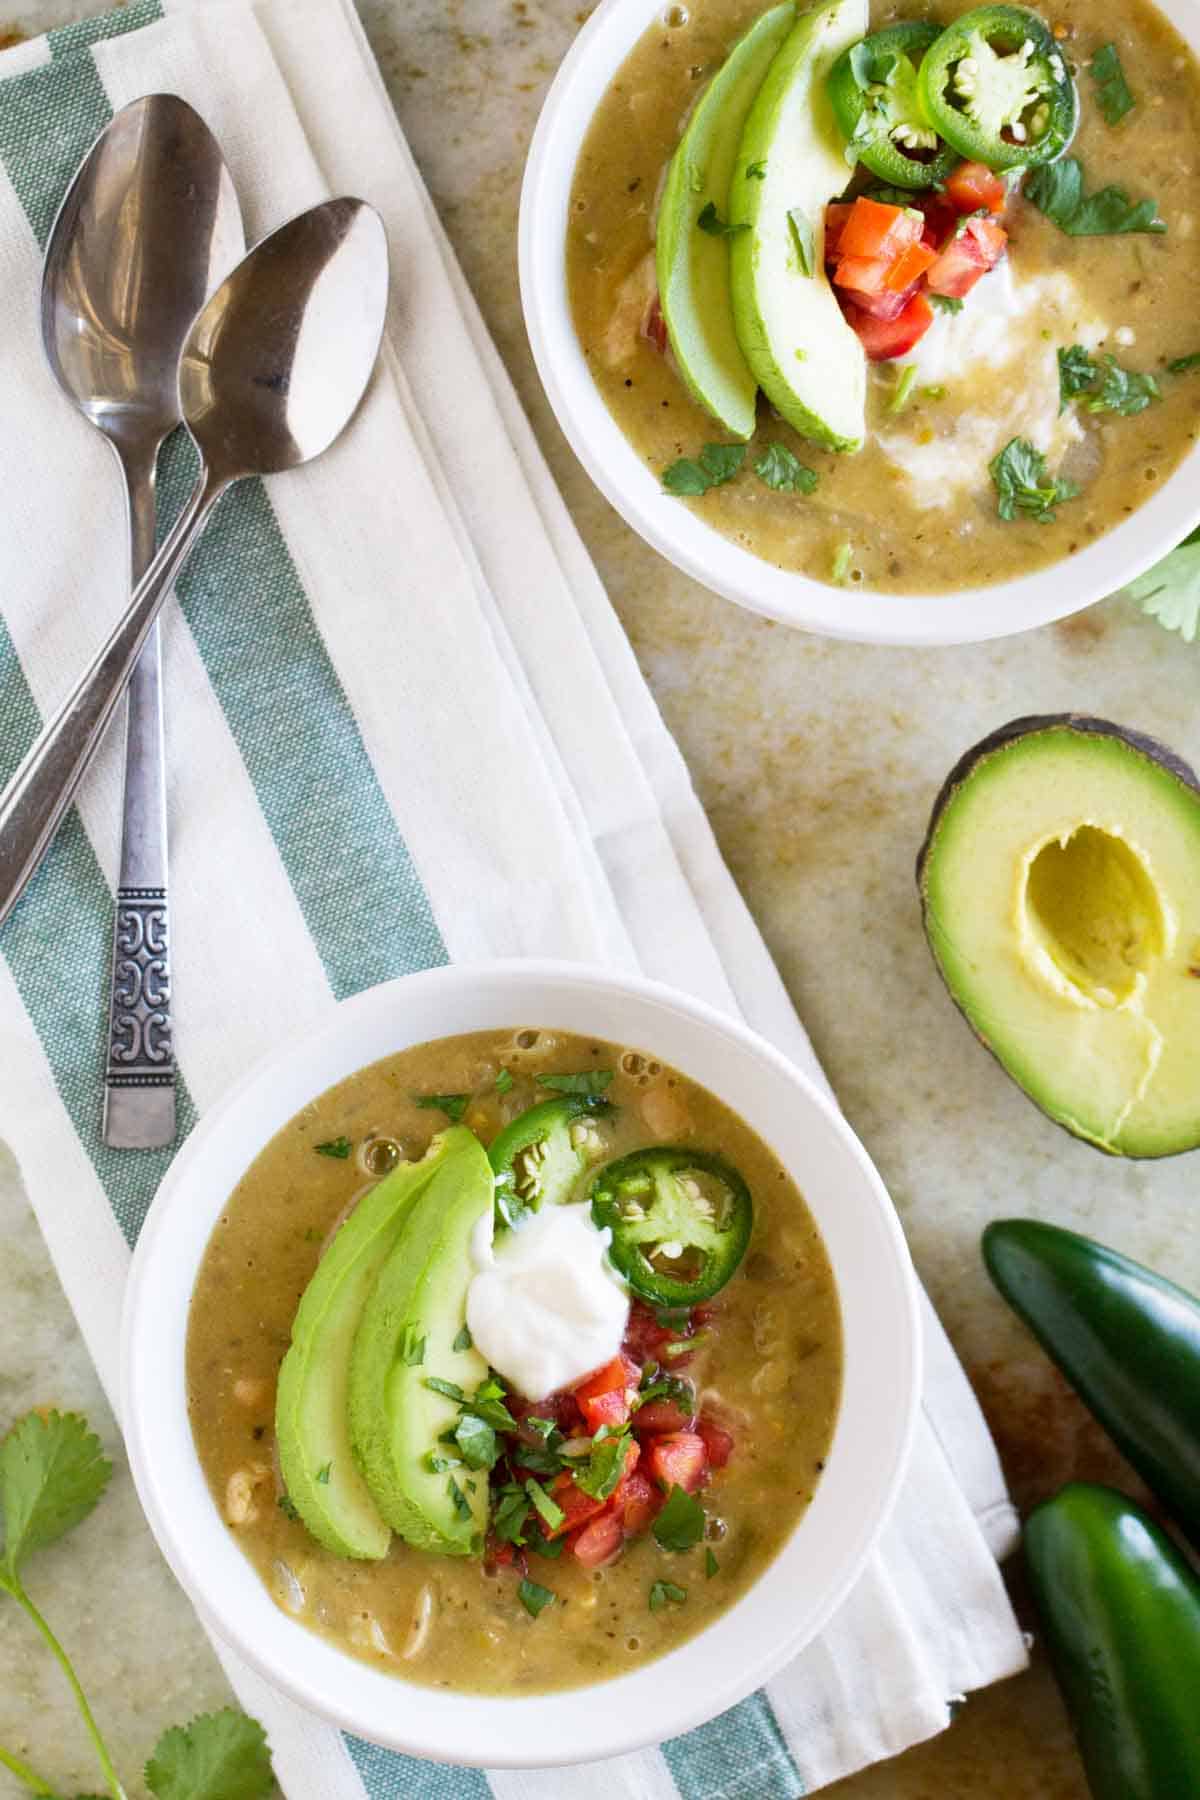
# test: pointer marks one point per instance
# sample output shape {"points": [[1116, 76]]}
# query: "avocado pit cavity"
{"points": [[1092, 923]]}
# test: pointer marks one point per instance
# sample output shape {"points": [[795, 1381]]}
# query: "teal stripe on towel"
{"points": [[390, 1776], [739, 1756], [55, 942], [68, 40]]}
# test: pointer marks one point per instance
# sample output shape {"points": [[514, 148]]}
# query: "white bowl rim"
{"points": [[471, 1729], [971, 615]]}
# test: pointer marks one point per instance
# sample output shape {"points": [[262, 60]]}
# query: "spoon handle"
{"points": [[33, 803], [139, 1077]]}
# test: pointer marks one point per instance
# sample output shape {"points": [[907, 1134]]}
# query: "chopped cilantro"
{"points": [[756, 171], [504, 1082], [711, 1565], [1112, 89], [605, 1465], [535, 1598], [591, 1083], [340, 1147], [716, 464], [218, 1756], [453, 1105], [412, 1348], [802, 239], [1170, 591], [548, 1510], [680, 1524], [462, 1505], [451, 1389], [544, 1546], [1056, 189], [685, 479], [510, 1512], [477, 1441], [1023, 484], [947, 303], [779, 468], [711, 221], [287, 1507], [662, 1591], [323, 1474], [903, 389], [464, 1340], [1076, 373], [1182, 364], [488, 1403], [1124, 391], [439, 1464]]}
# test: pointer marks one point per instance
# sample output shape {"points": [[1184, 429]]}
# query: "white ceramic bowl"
{"points": [[821, 1560], [671, 527]]}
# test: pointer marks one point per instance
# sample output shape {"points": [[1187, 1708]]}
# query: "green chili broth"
{"points": [[1144, 284], [771, 1369]]}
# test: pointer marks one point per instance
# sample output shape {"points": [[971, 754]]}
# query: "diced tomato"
{"points": [[577, 1507], [876, 229], [559, 1407], [678, 1459], [603, 1398], [941, 218], [973, 185], [637, 1500], [644, 1336], [865, 274], [654, 326], [884, 305], [909, 267], [598, 1541], [971, 252], [661, 1415], [718, 1443], [836, 215], [885, 338]]}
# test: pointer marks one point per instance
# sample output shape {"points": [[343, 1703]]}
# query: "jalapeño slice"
{"points": [[680, 1221], [997, 88], [877, 103], [538, 1159]]}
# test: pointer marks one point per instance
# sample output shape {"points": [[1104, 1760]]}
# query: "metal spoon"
{"points": [[149, 226], [272, 372]]}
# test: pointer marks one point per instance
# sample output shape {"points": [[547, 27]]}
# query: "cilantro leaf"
{"points": [[504, 1082], [453, 1105], [756, 171], [1183, 364], [591, 1083], [1076, 373], [510, 1512], [685, 479], [711, 1565], [535, 1598], [716, 464], [323, 1474], [1170, 591], [1112, 89], [477, 1441], [461, 1504], [52, 1473], [1056, 189], [662, 1591], [1124, 391], [219, 1756], [412, 1348], [1023, 484], [680, 1524], [464, 1340], [340, 1147], [450, 1389], [711, 221], [544, 1546], [779, 468], [605, 1465], [947, 303], [720, 463], [550, 1511], [288, 1507]]}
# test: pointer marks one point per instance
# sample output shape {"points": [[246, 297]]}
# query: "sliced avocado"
{"points": [[791, 163], [693, 264], [396, 1419], [1060, 883], [319, 1472]]}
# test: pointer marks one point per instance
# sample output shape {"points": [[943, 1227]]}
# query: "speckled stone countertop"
{"points": [[817, 763]]}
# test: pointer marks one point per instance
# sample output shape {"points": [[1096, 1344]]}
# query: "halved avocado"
{"points": [[1060, 886], [406, 1337], [791, 163], [692, 263], [311, 1426]]}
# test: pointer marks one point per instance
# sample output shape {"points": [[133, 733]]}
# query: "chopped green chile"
{"points": [[539, 1157], [997, 87], [877, 103], [680, 1221]]}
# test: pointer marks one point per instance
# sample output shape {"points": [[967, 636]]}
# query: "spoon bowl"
{"points": [[277, 361]]}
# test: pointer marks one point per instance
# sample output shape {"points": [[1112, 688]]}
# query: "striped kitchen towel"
{"points": [[404, 727]]}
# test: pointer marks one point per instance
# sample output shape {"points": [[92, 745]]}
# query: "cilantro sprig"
{"points": [[1170, 591], [777, 467], [53, 1473], [1113, 95], [1056, 189], [1108, 387], [1024, 485]]}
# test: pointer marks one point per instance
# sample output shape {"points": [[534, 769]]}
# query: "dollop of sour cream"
{"points": [[545, 1306]]}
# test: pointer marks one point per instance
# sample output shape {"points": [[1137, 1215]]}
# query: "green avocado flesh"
{"points": [[1061, 890], [801, 351], [693, 264], [311, 1424], [419, 1299]]}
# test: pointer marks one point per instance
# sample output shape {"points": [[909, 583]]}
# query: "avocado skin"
{"points": [[1030, 724]]}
